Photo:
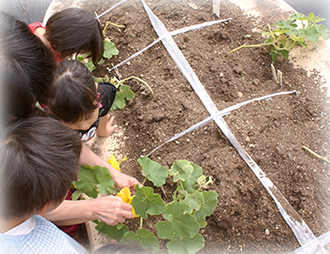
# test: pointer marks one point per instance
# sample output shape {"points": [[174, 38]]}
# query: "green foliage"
{"points": [[93, 181], [183, 217], [115, 232], [295, 31], [142, 238], [124, 94], [153, 170], [146, 201], [109, 49]]}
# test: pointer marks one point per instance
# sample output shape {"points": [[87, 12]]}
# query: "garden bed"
{"points": [[272, 132]]}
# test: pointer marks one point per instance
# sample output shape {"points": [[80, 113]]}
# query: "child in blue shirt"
{"points": [[39, 160]]}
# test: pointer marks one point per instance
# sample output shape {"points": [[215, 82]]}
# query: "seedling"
{"points": [[295, 31], [315, 154], [183, 217]]}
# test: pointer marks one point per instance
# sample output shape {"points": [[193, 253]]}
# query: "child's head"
{"points": [[26, 67], [39, 160], [74, 99], [75, 30]]}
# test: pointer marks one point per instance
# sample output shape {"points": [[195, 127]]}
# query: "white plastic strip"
{"points": [[223, 112], [182, 30], [323, 240], [293, 219], [111, 8]]}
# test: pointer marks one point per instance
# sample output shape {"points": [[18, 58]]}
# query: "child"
{"points": [[26, 68], [70, 31], [39, 160], [77, 103]]}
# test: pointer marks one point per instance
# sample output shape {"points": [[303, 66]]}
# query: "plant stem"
{"points": [[315, 154], [250, 46], [145, 179], [141, 222], [142, 81]]}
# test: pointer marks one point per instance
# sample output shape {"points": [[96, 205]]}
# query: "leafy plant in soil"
{"points": [[295, 31], [183, 217], [125, 93]]}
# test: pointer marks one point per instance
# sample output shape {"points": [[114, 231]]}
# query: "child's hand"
{"points": [[106, 128]]}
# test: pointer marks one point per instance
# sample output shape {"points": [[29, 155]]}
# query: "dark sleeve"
{"points": [[107, 96]]}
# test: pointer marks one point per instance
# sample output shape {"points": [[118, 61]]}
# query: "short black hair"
{"points": [[74, 92], [26, 67], [39, 159], [75, 30], [121, 248]]}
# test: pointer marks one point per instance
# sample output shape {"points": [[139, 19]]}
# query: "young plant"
{"points": [[183, 217], [295, 31]]}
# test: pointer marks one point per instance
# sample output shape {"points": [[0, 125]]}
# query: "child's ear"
{"points": [[44, 210]]}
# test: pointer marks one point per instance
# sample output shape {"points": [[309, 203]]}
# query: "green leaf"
{"points": [[90, 66], [181, 169], [146, 201], [106, 78], [76, 194], [210, 201], [323, 31], [129, 94], [179, 223], [190, 183], [186, 245], [195, 200], [155, 172], [115, 232], [80, 58], [109, 49], [142, 238], [314, 18], [298, 16], [94, 180], [274, 54], [312, 34], [98, 80], [119, 102]]}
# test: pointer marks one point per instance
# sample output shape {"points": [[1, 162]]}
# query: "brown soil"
{"points": [[272, 132]]}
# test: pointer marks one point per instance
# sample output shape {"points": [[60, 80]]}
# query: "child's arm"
{"points": [[106, 128], [109, 209]]}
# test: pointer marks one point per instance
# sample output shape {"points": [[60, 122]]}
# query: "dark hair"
{"points": [[74, 92], [120, 248], [26, 67], [75, 30], [39, 161]]}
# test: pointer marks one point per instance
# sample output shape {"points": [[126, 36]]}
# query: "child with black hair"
{"points": [[79, 103], [39, 160], [71, 31], [26, 68]]}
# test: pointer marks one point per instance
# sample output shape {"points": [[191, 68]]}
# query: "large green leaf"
{"points": [[155, 172], [210, 201], [119, 102], [181, 170], [186, 245], [146, 201], [195, 200], [142, 238], [109, 49], [190, 183], [94, 180], [126, 90], [323, 31], [178, 224], [115, 232]]}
